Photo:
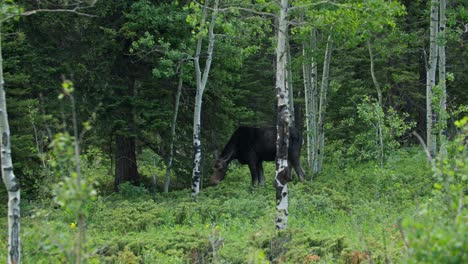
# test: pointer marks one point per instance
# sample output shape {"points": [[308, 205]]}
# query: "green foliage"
{"points": [[72, 195], [344, 215], [372, 118], [437, 232], [347, 215], [8, 9]]}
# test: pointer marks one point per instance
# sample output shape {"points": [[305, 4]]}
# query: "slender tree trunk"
{"points": [[442, 81], [314, 102], [282, 143], [173, 130], [379, 96], [201, 80], [9, 179], [310, 92], [40, 153], [306, 71], [322, 107], [374, 78], [81, 216], [154, 179], [46, 125], [289, 84], [430, 78], [126, 169]]}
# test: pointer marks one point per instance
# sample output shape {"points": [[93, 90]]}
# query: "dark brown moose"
{"points": [[252, 146]]}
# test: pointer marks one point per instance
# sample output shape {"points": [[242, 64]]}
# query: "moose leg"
{"points": [[253, 172], [261, 177], [296, 164]]}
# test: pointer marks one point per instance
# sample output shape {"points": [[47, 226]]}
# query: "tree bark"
{"points": [[154, 181], [126, 169], [379, 96], [306, 72], [309, 68], [201, 80], [283, 120], [9, 179], [322, 107], [173, 130], [372, 69], [442, 81], [81, 216], [125, 160], [431, 118], [289, 84]]}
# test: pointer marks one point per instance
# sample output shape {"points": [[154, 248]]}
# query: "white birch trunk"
{"points": [[282, 169], [322, 107], [9, 179], [201, 80], [289, 83], [442, 81], [310, 92], [430, 78], [173, 130], [314, 102], [379, 96], [308, 101]]}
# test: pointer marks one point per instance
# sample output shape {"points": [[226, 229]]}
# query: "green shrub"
{"points": [[438, 231]]}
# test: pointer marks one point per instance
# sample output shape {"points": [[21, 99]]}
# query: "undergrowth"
{"points": [[346, 215]]}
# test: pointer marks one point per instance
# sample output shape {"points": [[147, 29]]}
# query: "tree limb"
{"points": [[253, 11], [318, 3], [32, 12], [426, 150]]}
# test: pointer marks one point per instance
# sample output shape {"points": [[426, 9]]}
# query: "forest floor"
{"points": [[346, 215]]}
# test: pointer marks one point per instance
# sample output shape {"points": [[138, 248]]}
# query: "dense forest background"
{"points": [[119, 69]]}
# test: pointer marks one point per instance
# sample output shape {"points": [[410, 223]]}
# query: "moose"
{"points": [[252, 146]]}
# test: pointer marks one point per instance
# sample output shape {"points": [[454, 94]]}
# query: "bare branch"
{"points": [[156, 49], [32, 12], [403, 235], [248, 10], [426, 150], [318, 3]]}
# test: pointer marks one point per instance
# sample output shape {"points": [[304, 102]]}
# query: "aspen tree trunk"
{"points": [[173, 128], [306, 72], [322, 107], [379, 95], [309, 68], [289, 84], [282, 140], [314, 102], [81, 217], [9, 179], [442, 81], [430, 78], [154, 180], [201, 80]]}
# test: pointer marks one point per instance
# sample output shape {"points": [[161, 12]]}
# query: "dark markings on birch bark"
{"points": [[14, 251], [15, 186], [197, 162], [4, 139]]}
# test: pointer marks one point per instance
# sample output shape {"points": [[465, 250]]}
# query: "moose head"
{"points": [[219, 171]]}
